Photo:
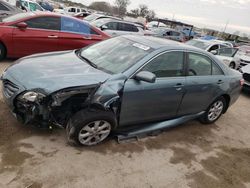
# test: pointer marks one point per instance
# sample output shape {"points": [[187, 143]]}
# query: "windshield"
{"points": [[16, 17], [115, 55], [99, 22], [199, 44], [91, 17]]}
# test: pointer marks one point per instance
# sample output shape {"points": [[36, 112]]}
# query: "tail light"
{"points": [[241, 82]]}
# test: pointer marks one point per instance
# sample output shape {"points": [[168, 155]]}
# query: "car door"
{"points": [[203, 82], [41, 35], [111, 28], [76, 34], [144, 102]]}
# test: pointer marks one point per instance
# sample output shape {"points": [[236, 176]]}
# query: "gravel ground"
{"points": [[191, 155]]}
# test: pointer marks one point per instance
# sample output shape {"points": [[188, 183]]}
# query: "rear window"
{"points": [[2, 7], [17, 17]]}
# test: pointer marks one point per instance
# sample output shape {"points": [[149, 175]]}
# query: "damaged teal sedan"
{"points": [[128, 86]]}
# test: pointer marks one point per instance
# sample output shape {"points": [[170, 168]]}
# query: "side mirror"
{"points": [[145, 76], [214, 52], [22, 25], [104, 27]]}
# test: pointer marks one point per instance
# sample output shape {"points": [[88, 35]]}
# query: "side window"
{"points": [[112, 25], [75, 26], [125, 27], [214, 47], [175, 33], [199, 65], [2, 7], [72, 10], [134, 28], [169, 64], [51, 23], [216, 70]]}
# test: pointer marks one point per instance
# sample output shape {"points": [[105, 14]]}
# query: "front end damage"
{"points": [[57, 108]]}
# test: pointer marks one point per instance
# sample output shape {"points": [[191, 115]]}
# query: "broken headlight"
{"points": [[32, 96]]}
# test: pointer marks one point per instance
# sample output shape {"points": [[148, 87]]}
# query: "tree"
{"points": [[122, 6], [101, 6], [143, 11]]}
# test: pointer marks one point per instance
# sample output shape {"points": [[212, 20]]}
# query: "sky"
{"points": [[212, 14]]}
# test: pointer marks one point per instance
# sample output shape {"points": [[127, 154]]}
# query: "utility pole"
{"points": [[226, 26]]}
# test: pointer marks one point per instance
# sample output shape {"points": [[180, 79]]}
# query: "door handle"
{"points": [[53, 36], [178, 85], [220, 82], [87, 38]]}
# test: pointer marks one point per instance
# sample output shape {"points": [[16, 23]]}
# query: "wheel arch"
{"points": [[227, 99]]}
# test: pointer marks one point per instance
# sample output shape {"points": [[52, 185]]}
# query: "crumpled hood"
{"points": [[54, 71]]}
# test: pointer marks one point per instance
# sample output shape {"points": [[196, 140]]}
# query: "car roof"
{"points": [[157, 43], [120, 21], [211, 42]]}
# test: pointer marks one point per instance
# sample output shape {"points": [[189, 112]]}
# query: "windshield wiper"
{"points": [[87, 60]]}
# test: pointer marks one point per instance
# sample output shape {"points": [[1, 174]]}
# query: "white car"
{"points": [[29, 5], [209, 45], [115, 27], [229, 56], [244, 55], [246, 75]]}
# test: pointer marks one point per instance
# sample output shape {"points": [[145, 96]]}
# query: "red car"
{"points": [[28, 33]]}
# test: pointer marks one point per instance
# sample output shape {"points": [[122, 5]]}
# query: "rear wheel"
{"points": [[232, 65], [2, 51], [214, 111], [90, 128]]}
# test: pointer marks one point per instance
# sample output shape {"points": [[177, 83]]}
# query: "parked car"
{"points": [[229, 56], [73, 10], [46, 5], [244, 55], [6, 9], [29, 5], [169, 34], [130, 85], [93, 17], [246, 75], [28, 33], [209, 45], [81, 15], [118, 27]]}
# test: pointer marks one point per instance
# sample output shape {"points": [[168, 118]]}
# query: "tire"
{"points": [[232, 65], [90, 127], [214, 111], [2, 51]]}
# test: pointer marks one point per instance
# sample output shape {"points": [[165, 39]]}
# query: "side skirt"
{"points": [[153, 128]]}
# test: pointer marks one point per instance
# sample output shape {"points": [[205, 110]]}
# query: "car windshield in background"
{"points": [[91, 17], [17, 17], [99, 23], [115, 55], [198, 44]]}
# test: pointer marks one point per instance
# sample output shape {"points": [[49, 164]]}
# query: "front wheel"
{"points": [[214, 111], [90, 128]]}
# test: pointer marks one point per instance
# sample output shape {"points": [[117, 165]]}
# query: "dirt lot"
{"points": [[191, 155]]}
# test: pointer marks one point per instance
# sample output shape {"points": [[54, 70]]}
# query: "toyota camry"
{"points": [[128, 86]]}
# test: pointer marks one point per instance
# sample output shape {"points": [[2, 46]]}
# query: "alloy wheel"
{"points": [[215, 110], [94, 132]]}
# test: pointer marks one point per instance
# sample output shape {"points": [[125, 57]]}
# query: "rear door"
{"points": [[204, 81], [76, 34], [127, 29], [41, 35]]}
